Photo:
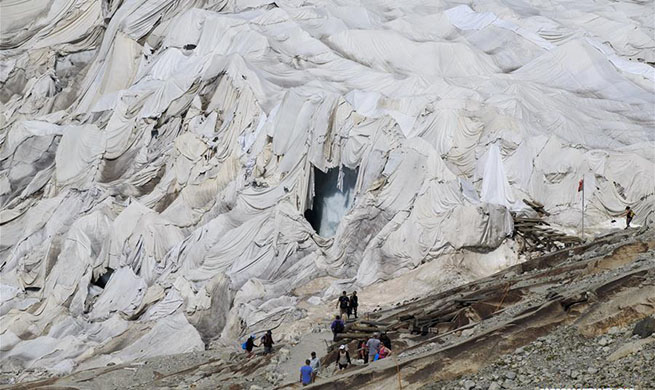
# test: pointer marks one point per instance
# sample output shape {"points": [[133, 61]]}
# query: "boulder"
{"points": [[645, 327]]}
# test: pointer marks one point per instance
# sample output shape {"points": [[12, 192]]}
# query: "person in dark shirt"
{"points": [[343, 304], [385, 340], [337, 327], [354, 302], [629, 215], [267, 342], [250, 344]]}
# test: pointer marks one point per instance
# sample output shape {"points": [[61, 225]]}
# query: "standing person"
{"points": [[343, 358], [343, 304], [306, 374], [315, 363], [354, 302], [629, 214], [267, 342], [249, 345], [385, 340], [362, 351], [337, 327], [373, 345]]}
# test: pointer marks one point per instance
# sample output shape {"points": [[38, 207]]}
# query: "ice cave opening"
{"points": [[333, 197], [102, 280]]}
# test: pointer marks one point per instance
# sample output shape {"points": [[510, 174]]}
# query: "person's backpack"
{"points": [[337, 326], [344, 302], [244, 345]]}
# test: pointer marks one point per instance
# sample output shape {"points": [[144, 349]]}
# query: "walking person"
{"points": [[267, 342], [373, 345], [343, 358], [306, 373], [629, 215], [337, 327], [249, 345], [354, 302], [315, 363], [343, 304]]}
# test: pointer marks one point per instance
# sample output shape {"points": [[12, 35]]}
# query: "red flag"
{"points": [[580, 185]]}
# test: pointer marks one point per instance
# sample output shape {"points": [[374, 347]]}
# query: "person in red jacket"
{"points": [[362, 351]]}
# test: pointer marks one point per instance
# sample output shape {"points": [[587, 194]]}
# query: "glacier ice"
{"points": [[334, 192], [177, 144]]}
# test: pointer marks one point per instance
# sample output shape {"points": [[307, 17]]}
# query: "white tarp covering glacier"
{"points": [[174, 142]]}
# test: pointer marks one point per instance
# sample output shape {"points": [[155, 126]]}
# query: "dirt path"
{"points": [[315, 342]]}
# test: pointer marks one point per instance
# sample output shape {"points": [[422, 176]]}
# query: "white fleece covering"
{"points": [[175, 142]]}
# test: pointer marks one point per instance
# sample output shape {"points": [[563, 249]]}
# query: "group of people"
{"points": [[376, 348], [309, 370], [266, 341], [348, 305]]}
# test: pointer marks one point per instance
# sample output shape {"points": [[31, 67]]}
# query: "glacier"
{"points": [[175, 144]]}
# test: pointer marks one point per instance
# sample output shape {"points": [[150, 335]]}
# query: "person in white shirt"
{"points": [[343, 358], [315, 364]]}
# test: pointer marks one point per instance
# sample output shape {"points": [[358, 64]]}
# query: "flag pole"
{"points": [[582, 209]]}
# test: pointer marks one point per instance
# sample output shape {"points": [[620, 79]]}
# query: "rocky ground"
{"points": [[589, 291], [566, 359]]}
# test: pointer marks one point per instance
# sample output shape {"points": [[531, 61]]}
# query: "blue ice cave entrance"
{"points": [[331, 201]]}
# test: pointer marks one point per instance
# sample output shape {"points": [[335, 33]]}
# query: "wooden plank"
{"points": [[530, 219], [375, 323], [363, 328], [353, 335]]}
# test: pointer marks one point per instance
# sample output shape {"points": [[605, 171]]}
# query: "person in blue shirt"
{"points": [[306, 373]]}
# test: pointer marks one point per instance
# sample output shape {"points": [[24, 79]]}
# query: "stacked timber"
{"points": [[536, 235], [362, 329], [538, 207]]}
